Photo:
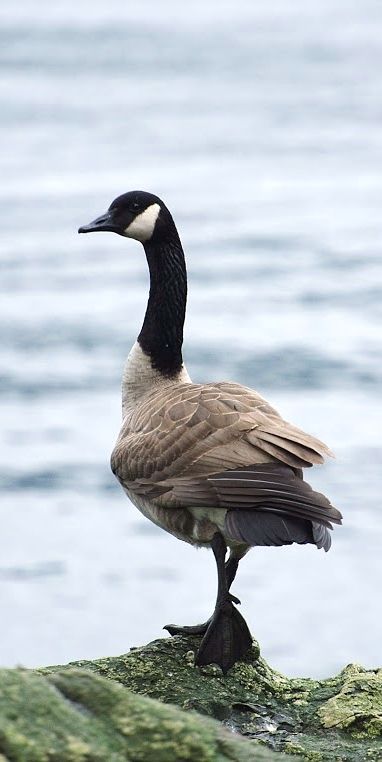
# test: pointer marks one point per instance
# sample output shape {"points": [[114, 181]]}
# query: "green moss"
{"points": [[298, 750], [358, 704], [334, 719], [108, 709], [76, 716]]}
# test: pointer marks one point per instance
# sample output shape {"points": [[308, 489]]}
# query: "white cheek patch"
{"points": [[142, 227]]}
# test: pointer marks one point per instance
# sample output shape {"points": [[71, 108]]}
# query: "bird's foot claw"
{"points": [[197, 629]]}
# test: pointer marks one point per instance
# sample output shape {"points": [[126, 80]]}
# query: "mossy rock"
{"points": [[335, 719], [75, 715]]}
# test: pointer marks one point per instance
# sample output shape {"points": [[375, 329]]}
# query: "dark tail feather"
{"points": [[321, 536], [266, 528]]}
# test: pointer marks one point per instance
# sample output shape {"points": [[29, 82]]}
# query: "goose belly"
{"points": [[196, 526], [210, 520], [176, 521]]}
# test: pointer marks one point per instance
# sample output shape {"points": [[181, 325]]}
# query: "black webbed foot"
{"points": [[196, 629], [227, 638]]}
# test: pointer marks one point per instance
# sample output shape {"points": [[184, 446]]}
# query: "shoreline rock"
{"points": [[125, 703], [74, 715]]}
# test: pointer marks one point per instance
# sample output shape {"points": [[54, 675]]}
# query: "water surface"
{"points": [[260, 127]]}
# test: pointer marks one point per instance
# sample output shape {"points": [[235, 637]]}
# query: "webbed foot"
{"points": [[227, 638], [196, 629]]}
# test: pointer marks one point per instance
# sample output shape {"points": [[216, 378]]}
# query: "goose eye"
{"points": [[135, 205]]}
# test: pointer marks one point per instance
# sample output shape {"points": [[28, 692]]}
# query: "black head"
{"points": [[136, 214]]}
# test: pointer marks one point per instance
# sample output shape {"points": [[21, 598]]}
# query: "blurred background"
{"points": [[260, 126]]}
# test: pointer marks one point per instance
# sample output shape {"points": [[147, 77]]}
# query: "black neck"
{"points": [[161, 336]]}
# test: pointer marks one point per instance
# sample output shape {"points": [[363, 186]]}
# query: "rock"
{"points": [[75, 715], [147, 705], [339, 718], [358, 704]]}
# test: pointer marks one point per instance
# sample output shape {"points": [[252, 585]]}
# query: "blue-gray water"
{"points": [[260, 125]]}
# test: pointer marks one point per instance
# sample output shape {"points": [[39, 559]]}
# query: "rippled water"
{"points": [[259, 124]]}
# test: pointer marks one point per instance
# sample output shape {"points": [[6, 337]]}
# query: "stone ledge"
{"points": [[74, 715], [118, 708], [339, 718]]}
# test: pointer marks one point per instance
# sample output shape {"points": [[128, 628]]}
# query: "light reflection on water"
{"points": [[262, 132]]}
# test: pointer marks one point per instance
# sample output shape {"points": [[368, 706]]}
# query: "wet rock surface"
{"points": [[74, 715], [338, 718]]}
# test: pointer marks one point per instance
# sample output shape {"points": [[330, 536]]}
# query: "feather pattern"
{"points": [[221, 445], [257, 528]]}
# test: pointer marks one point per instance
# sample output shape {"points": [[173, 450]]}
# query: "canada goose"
{"points": [[213, 464]]}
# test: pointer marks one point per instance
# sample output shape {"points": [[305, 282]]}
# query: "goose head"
{"points": [[136, 214], [157, 353]]}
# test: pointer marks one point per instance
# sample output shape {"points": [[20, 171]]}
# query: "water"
{"points": [[259, 125]]}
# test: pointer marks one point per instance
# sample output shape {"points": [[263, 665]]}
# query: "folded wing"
{"points": [[223, 446]]}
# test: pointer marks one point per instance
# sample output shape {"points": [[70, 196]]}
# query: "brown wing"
{"points": [[186, 445], [276, 488]]}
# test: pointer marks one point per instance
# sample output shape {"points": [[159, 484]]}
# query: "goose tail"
{"points": [[260, 528]]}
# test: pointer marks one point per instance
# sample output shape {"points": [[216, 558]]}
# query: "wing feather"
{"points": [[273, 487], [221, 445]]}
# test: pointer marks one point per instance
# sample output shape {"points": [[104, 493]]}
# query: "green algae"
{"points": [[358, 705], [74, 715], [153, 704], [334, 719]]}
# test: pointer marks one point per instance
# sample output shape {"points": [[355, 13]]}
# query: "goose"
{"points": [[211, 463]]}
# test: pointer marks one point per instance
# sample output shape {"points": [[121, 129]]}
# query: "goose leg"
{"points": [[227, 638], [231, 567]]}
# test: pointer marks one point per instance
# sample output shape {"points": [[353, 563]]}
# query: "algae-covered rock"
{"points": [[335, 719], [358, 704], [77, 716]]}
